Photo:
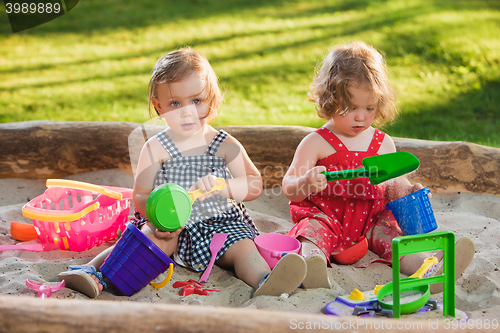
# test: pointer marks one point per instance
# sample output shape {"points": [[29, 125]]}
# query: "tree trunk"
{"points": [[42, 149]]}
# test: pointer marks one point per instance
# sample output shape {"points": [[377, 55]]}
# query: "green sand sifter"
{"points": [[169, 206]]}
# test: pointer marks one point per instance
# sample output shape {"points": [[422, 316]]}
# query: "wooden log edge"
{"points": [[44, 149], [33, 315]]}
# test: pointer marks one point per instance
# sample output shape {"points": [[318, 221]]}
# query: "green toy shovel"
{"points": [[379, 168]]}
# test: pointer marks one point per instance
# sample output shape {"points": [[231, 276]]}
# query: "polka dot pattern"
{"points": [[346, 209]]}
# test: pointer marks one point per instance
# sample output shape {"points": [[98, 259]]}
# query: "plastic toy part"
{"points": [[218, 186], [350, 253], [192, 287], [415, 297], [371, 299], [273, 246], [84, 186], [22, 231], [158, 285], [44, 290], [33, 247], [135, 261], [379, 168], [414, 213], [217, 242], [169, 206], [356, 295], [78, 216], [435, 241], [426, 269]]}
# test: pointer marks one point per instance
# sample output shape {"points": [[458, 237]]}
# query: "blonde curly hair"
{"points": [[177, 66], [357, 64]]}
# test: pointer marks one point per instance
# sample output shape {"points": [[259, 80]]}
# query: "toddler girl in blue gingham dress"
{"points": [[184, 92], [213, 215]]}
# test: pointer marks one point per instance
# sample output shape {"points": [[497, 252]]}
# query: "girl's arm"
{"points": [[304, 177], [397, 187], [246, 184], [150, 159], [148, 165], [387, 146]]}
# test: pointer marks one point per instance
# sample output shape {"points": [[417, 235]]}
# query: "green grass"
{"points": [[93, 64]]}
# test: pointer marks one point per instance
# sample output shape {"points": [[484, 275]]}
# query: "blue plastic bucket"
{"points": [[134, 261], [414, 213]]}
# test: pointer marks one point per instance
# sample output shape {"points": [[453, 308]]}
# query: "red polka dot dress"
{"points": [[345, 209]]}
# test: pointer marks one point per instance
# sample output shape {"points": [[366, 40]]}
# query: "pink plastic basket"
{"points": [[78, 216]]}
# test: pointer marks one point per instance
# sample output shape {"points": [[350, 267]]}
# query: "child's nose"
{"points": [[359, 116], [188, 110]]}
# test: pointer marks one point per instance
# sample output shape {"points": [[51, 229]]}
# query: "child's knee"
{"points": [[167, 245]]}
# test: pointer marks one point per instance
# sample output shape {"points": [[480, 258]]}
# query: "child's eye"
{"points": [[370, 109], [174, 103], [196, 101]]}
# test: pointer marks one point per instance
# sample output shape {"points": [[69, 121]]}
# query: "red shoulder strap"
{"points": [[331, 138], [378, 138]]}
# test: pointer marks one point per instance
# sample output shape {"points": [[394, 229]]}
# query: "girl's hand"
{"points": [[400, 187], [167, 234], [418, 187], [205, 184], [315, 181]]}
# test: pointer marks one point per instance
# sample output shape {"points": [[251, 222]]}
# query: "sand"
{"points": [[466, 214]]}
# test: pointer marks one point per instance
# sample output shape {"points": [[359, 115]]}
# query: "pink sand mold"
{"points": [[44, 290], [273, 246]]}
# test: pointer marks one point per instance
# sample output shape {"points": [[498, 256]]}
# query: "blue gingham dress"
{"points": [[213, 215]]}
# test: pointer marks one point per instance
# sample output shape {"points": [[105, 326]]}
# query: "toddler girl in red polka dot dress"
{"points": [[352, 92]]}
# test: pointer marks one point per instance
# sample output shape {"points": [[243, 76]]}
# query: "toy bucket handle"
{"points": [[84, 186], [277, 254], [167, 279], [57, 216]]}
